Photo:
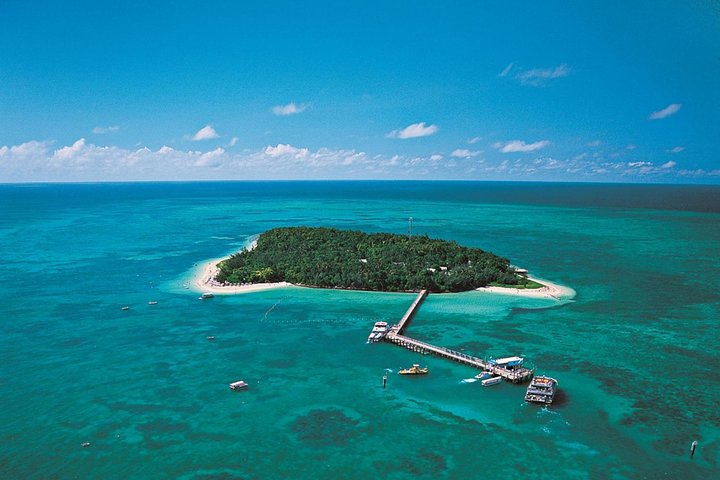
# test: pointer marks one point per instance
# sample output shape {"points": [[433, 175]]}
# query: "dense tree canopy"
{"points": [[330, 258]]}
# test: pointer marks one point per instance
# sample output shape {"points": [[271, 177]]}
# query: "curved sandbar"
{"points": [[548, 290]]}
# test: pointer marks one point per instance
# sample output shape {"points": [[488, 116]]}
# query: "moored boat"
{"points": [[378, 332], [414, 370], [205, 296], [239, 385], [541, 390], [491, 381]]}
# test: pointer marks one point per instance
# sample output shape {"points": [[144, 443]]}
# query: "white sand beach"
{"points": [[205, 281], [548, 290]]}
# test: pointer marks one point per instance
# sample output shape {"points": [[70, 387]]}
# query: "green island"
{"points": [[350, 259]]}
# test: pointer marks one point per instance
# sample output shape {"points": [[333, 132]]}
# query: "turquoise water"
{"points": [[635, 352]]}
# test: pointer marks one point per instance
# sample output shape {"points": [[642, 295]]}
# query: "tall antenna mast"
{"points": [[410, 220]]}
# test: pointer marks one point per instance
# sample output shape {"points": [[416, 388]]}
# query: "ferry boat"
{"points": [[205, 296], [414, 370], [488, 382], [541, 390], [239, 385], [378, 332]]}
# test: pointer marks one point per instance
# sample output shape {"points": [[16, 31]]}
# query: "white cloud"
{"points": [[289, 109], [464, 153], [205, 133], [474, 140], [234, 141], [594, 143], [665, 112], [506, 70], [65, 153], [286, 150], [669, 164], [520, 146], [413, 131], [631, 147], [538, 77], [677, 149], [104, 130], [436, 157], [639, 164]]}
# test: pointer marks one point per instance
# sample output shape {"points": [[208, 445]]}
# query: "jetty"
{"points": [[516, 374]]}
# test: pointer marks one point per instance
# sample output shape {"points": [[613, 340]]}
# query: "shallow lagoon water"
{"points": [[635, 351]]}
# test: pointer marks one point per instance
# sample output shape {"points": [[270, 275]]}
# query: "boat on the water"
{"points": [[483, 375], [239, 385], [205, 296], [414, 370], [541, 390], [152, 302], [125, 308], [378, 332], [491, 381]]}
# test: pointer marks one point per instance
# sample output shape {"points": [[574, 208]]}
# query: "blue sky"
{"points": [[477, 90]]}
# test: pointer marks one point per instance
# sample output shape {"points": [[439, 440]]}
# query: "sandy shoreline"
{"points": [[548, 290], [205, 282]]}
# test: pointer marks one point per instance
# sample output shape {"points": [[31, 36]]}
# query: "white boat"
{"points": [[491, 381], [541, 390], [205, 296], [239, 385], [378, 332], [152, 302], [483, 375]]}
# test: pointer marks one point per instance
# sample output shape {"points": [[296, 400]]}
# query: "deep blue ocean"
{"points": [[635, 352]]}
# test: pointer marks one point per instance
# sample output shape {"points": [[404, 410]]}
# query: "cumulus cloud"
{"points": [[520, 146], [286, 150], [669, 164], [104, 130], [436, 157], [464, 153], [413, 131], [65, 153], [205, 133], [289, 109], [671, 109]]}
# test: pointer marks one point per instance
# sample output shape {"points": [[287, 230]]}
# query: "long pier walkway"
{"points": [[394, 335]]}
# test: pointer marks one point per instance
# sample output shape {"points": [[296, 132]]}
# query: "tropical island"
{"points": [[350, 259]]}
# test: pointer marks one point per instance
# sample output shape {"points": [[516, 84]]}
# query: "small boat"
{"points": [[414, 370], [125, 308], [491, 381], [152, 302], [211, 337], [239, 385], [205, 296], [541, 390], [85, 444], [483, 375]]}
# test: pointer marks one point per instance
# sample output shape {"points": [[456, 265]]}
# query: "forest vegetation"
{"points": [[331, 258]]}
